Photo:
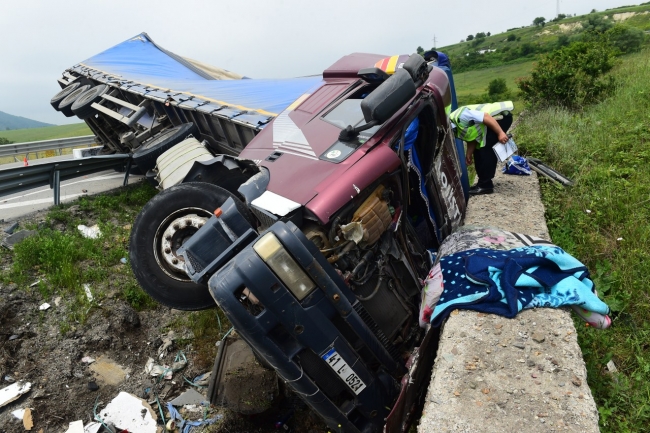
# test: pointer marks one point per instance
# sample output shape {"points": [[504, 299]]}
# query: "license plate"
{"points": [[344, 371]]}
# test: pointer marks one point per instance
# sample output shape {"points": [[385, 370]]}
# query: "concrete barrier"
{"points": [[494, 374]]}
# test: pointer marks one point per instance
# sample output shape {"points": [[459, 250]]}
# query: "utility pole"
{"points": [[434, 42]]}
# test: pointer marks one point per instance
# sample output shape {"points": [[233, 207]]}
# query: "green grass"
{"points": [[46, 133], [63, 260], [476, 82], [536, 39], [604, 220]]}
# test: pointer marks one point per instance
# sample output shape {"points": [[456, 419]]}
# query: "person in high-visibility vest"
{"points": [[482, 126]]}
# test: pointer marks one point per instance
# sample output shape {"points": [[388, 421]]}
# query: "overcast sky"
{"points": [[256, 38]]}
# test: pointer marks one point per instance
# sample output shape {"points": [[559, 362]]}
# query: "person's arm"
{"points": [[469, 154], [494, 126]]}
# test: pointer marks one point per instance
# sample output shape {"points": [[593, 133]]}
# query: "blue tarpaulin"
{"points": [[140, 60]]}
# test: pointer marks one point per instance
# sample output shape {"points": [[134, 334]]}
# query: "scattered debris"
{"points": [[185, 426], [18, 413], [167, 342], [17, 237], [9, 230], [57, 301], [28, 422], [203, 379], [191, 396], [12, 392], [611, 367], [91, 232], [14, 337], [35, 283], [87, 360], [123, 260], [93, 386], [89, 294], [75, 427], [131, 413], [166, 371], [9, 379], [44, 306], [93, 427]]}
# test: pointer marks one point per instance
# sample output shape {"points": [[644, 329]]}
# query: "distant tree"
{"points": [[489, 34], [539, 21], [625, 38], [511, 37], [420, 50], [480, 35], [593, 11], [470, 37], [462, 40], [5, 141], [497, 88]]}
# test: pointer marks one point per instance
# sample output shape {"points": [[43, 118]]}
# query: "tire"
{"points": [[56, 99], [145, 155], [153, 267], [65, 106], [82, 105]]}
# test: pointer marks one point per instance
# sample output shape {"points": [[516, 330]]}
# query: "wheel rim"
{"points": [[64, 92], [73, 95], [91, 94], [172, 233]]}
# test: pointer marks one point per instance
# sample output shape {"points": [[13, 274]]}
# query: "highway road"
{"points": [[16, 205]]}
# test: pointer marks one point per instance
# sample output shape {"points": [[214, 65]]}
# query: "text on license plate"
{"points": [[344, 371]]}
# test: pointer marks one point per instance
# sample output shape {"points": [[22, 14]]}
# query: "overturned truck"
{"points": [[315, 239]]}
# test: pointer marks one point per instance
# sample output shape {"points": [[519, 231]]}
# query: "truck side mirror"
{"points": [[416, 67], [388, 97]]}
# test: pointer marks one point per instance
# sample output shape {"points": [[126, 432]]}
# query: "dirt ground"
{"points": [[120, 340]]}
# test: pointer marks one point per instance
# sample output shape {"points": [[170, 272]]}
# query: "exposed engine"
{"points": [[364, 248]]}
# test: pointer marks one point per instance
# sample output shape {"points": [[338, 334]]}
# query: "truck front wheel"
{"points": [[161, 228]]}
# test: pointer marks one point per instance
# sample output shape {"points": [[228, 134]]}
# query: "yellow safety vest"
{"points": [[470, 131]]}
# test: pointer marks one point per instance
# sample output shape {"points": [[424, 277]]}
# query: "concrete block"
{"points": [[494, 374]]}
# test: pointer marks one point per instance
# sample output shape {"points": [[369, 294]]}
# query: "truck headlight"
{"points": [[285, 267]]}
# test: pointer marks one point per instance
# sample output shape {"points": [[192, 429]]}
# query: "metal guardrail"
{"points": [[40, 146], [18, 179]]}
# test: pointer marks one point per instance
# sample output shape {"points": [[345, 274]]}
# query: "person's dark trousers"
{"points": [[485, 160]]}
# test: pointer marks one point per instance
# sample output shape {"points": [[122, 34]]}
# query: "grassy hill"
{"points": [[603, 221], [9, 121], [46, 133], [524, 44]]}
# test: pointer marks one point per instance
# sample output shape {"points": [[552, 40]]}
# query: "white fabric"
{"points": [[468, 116], [471, 115]]}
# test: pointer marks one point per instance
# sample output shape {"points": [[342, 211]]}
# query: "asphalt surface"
{"points": [[16, 205]]}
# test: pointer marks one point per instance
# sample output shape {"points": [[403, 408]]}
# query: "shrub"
{"points": [[512, 37], [497, 89], [5, 141], [625, 38], [572, 76], [597, 24]]}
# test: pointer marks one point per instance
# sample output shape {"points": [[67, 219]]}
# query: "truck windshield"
{"points": [[346, 113]]}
